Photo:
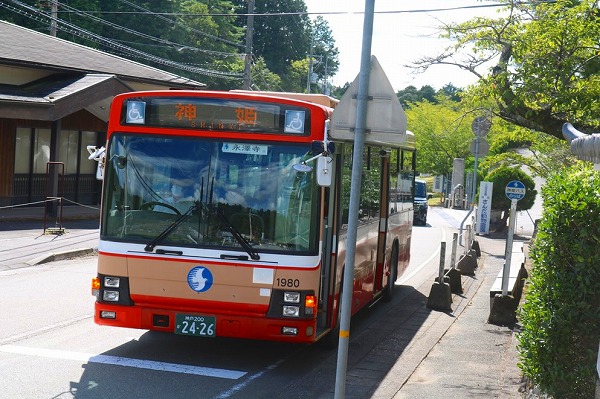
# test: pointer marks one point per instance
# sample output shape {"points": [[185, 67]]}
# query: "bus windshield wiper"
{"points": [[165, 233], [236, 234]]}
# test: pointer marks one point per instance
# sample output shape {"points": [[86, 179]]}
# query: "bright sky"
{"points": [[398, 38]]}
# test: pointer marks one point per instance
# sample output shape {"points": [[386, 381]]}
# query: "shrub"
{"points": [[560, 316], [501, 177]]}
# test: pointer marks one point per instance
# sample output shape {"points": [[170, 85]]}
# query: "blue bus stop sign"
{"points": [[515, 190]]}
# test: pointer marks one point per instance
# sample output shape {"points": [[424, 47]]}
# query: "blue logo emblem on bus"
{"points": [[200, 279]]}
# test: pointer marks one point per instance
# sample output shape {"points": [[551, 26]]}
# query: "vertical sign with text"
{"points": [[484, 207], [438, 184]]}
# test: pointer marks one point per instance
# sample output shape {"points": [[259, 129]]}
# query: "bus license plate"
{"points": [[198, 325]]}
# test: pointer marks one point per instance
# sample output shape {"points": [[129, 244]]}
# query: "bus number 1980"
{"points": [[288, 282]]}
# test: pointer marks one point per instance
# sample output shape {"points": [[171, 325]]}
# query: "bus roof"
{"points": [[316, 98]]}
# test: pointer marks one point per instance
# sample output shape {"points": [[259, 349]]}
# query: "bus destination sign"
{"points": [[217, 114]]}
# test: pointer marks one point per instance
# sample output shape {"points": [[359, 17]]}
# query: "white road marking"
{"points": [[124, 361], [403, 279]]}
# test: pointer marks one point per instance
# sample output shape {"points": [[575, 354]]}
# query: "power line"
{"points": [[172, 21], [268, 14], [144, 35], [82, 33]]}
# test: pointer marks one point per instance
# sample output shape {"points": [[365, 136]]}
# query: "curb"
{"points": [[51, 257]]}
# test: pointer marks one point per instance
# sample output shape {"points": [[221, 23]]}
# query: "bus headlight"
{"points": [[112, 282], [110, 296], [291, 311], [291, 297]]}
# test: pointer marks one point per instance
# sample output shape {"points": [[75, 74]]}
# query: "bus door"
{"points": [[383, 244], [330, 200]]}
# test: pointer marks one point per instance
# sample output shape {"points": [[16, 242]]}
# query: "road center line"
{"points": [[124, 361]]}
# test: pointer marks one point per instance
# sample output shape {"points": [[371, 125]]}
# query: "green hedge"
{"points": [[560, 316]]}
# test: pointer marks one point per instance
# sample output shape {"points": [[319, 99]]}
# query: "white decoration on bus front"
{"points": [[262, 276]]}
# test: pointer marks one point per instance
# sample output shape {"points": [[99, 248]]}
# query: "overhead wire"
{"points": [[143, 35], [70, 28], [175, 22], [270, 14]]}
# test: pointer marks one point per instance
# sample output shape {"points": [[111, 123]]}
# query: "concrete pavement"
{"points": [[28, 238], [421, 353]]}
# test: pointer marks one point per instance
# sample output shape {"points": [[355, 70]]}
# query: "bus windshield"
{"points": [[226, 189]]}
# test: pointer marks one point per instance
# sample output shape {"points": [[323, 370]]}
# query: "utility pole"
{"points": [[54, 14], [310, 64], [248, 58], [326, 89]]}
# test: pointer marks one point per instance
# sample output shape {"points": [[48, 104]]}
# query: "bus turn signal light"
{"points": [[310, 304], [95, 286]]}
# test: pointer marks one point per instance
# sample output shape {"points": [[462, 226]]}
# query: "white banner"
{"points": [[484, 207], [438, 184]]}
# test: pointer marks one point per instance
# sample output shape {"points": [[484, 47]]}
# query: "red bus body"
{"points": [[237, 154]]}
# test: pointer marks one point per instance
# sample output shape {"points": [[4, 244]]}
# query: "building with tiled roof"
{"points": [[54, 101]]}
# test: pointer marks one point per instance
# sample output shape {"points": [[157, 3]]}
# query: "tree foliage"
{"points": [[442, 132], [545, 62], [200, 39], [512, 145], [410, 94]]}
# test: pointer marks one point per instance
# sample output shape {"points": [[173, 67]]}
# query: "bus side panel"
{"points": [[400, 227], [364, 264]]}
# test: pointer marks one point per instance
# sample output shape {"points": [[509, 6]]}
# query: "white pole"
{"points": [[509, 243]]}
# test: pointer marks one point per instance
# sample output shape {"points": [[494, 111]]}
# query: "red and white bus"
{"points": [[224, 214]]}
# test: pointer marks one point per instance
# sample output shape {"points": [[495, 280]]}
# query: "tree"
{"points": [[324, 50], [283, 35], [545, 62], [279, 38], [295, 80], [442, 132], [513, 145], [452, 92], [410, 94], [200, 46], [263, 79]]}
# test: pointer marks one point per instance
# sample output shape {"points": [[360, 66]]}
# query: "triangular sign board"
{"points": [[386, 120]]}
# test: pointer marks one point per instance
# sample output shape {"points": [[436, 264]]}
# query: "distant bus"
{"points": [[225, 214]]}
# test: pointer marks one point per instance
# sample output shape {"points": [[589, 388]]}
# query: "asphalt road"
{"points": [[50, 347]]}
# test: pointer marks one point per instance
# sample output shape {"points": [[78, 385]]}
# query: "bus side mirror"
{"points": [[98, 155], [324, 171]]}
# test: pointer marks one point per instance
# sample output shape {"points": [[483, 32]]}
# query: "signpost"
{"points": [[479, 148], [485, 207], [515, 191]]}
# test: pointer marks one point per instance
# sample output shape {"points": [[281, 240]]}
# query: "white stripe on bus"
{"points": [[123, 361]]}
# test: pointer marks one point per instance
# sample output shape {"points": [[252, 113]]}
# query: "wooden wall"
{"points": [[80, 120]]}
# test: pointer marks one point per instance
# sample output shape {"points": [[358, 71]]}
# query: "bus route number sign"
{"points": [[197, 325], [515, 190]]}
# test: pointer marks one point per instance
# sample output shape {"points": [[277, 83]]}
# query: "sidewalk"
{"points": [[471, 358], [28, 238]]}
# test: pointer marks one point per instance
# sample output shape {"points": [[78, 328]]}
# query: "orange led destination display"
{"points": [[217, 114]]}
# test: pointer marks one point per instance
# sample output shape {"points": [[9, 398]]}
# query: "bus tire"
{"points": [[388, 291]]}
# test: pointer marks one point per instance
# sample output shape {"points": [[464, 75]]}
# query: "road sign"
{"points": [[481, 126], [515, 190], [385, 114], [480, 149]]}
